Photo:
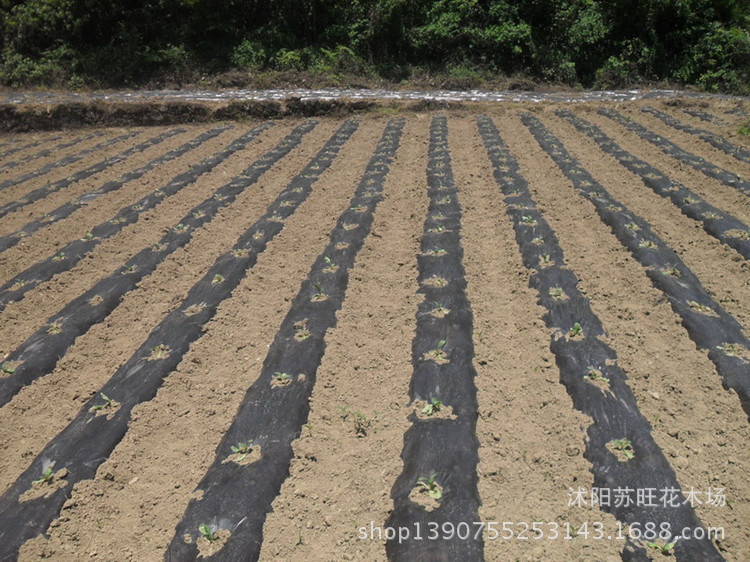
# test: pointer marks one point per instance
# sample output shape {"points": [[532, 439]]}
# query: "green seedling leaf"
{"points": [[208, 532]]}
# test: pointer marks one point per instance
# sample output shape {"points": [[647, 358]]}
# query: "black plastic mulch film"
{"points": [[237, 497], [39, 354], [67, 160], [73, 252], [67, 209], [89, 439], [722, 226], [34, 144], [668, 147], [48, 189], [589, 369], [440, 446], [703, 116], [51, 150], [707, 323], [713, 139]]}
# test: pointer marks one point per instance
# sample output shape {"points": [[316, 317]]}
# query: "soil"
{"points": [[348, 455]]}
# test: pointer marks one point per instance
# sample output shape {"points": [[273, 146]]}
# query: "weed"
{"points": [[217, 279], [361, 424], [208, 532], [433, 407], [430, 485], [576, 330]]}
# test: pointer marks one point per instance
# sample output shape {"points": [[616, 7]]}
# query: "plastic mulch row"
{"points": [[592, 377], [45, 190], [39, 354], [48, 151], [70, 207], [73, 252], [668, 147], [440, 451], [724, 227], [713, 139], [703, 116], [11, 151], [707, 323], [66, 161], [236, 497], [92, 435]]}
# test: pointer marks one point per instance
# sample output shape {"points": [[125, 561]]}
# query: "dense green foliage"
{"points": [[589, 42]]}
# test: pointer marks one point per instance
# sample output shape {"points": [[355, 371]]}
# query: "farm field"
{"points": [[519, 330]]}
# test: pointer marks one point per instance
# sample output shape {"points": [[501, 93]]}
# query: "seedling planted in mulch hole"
{"points": [[301, 332], [161, 351], [663, 549], [738, 233], [545, 260], [55, 328], [436, 252], [434, 409], [319, 295], [217, 279], [622, 449], [107, 408], [436, 281], [735, 350], [194, 309], [211, 540], [438, 355], [671, 270], [439, 311], [557, 293], [698, 307], [280, 379], [596, 377], [575, 331], [427, 492], [8, 368], [330, 266], [243, 453], [47, 483]]}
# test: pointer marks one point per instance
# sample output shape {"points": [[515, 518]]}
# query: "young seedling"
{"points": [[107, 403], [130, 269], [436, 252], [595, 375], [700, 308], [538, 241], [208, 532], [158, 247], [242, 450], [88, 236], [359, 208], [350, 226], [430, 485], [281, 379], [161, 351], [438, 355], [526, 219], [7, 368], [180, 228], [241, 253], [217, 279], [55, 328], [665, 549], [632, 226], [545, 260], [624, 447], [436, 230], [433, 407], [436, 281], [59, 257], [646, 244], [47, 475], [330, 266], [319, 294], [439, 311], [557, 293], [672, 271], [286, 203], [576, 330], [361, 424], [199, 214]]}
